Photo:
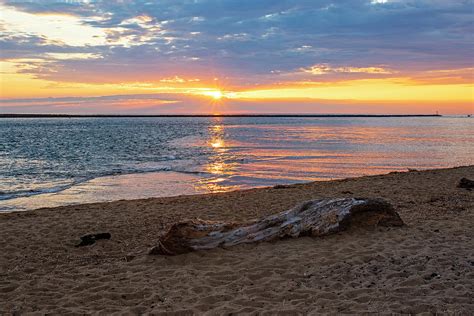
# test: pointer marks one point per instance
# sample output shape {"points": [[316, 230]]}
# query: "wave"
{"points": [[185, 166], [25, 193], [8, 195]]}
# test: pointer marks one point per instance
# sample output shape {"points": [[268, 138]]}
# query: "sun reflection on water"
{"points": [[221, 164], [217, 143]]}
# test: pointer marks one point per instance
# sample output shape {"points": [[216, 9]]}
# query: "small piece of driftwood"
{"points": [[90, 239], [311, 218]]}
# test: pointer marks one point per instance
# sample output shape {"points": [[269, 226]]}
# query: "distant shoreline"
{"points": [[208, 115]]}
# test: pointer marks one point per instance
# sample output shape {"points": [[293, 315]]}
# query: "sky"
{"points": [[237, 56]]}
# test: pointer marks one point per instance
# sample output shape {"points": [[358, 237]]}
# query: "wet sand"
{"points": [[426, 266]]}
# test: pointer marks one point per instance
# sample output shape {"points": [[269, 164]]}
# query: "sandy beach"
{"points": [[426, 266]]}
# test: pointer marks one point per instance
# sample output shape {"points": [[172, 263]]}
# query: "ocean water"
{"points": [[58, 161]]}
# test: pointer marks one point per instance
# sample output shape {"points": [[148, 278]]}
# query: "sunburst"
{"points": [[216, 95]]}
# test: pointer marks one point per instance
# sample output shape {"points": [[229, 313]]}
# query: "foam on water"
{"points": [[45, 158]]}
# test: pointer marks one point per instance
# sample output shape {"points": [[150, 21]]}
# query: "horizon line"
{"points": [[17, 115]]}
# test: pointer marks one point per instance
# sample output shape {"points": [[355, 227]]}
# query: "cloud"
{"points": [[322, 69], [245, 42], [163, 103], [177, 79], [124, 104]]}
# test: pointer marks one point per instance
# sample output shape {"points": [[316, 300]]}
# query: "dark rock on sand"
{"points": [[466, 183], [90, 239], [283, 186]]}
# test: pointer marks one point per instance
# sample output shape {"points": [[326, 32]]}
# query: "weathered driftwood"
{"points": [[311, 218]]}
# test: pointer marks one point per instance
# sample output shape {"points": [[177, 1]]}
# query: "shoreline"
{"points": [[116, 187], [423, 267], [106, 189]]}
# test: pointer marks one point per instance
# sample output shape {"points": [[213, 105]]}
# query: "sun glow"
{"points": [[394, 89], [215, 94], [218, 143]]}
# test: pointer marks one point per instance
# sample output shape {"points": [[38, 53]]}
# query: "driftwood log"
{"points": [[311, 218]]}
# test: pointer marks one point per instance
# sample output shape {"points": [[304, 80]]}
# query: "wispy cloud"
{"points": [[322, 69], [240, 39], [245, 44]]}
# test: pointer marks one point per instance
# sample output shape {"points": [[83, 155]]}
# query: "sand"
{"points": [[425, 267]]}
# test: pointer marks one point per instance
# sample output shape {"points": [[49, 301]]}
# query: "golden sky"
{"points": [[327, 58]]}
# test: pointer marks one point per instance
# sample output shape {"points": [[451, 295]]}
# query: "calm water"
{"points": [[49, 162]]}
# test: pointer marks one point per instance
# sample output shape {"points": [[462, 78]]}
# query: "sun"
{"points": [[215, 94]]}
